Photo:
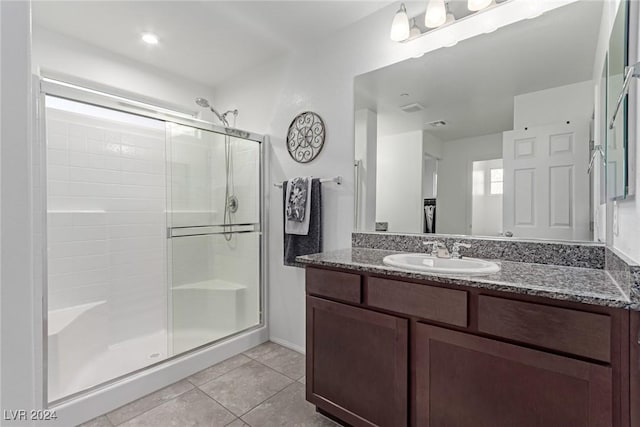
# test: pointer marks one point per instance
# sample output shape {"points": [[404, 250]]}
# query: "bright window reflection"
{"points": [[496, 181]]}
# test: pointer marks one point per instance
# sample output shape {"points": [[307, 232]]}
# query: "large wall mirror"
{"points": [[499, 135]]}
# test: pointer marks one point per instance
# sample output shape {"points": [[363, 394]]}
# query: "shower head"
{"points": [[202, 102]]}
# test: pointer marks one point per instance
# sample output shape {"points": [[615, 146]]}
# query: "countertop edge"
{"points": [[472, 281]]}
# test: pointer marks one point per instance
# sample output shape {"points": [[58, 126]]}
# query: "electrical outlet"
{"points": [[616, 223]]}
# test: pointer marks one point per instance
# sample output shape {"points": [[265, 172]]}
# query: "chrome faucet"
{"points": [[455, 250], [438, 249], [434, 247]]}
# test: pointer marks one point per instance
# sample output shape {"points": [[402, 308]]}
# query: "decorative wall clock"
{"points": [[305, 137]]}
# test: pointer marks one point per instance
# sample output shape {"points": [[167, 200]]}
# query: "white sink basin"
{"points": [[430, 264]]}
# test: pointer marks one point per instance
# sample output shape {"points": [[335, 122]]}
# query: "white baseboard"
{"points": [[288, 344]]}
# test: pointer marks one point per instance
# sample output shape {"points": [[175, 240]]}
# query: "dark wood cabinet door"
{"points": [[357, 364], [469, 381], [634, 370]]}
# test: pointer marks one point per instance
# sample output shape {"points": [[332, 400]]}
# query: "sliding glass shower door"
{"points": [[214, 235], [153, 237]]}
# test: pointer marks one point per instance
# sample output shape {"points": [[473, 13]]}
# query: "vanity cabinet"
{"points": [[634, 371], [396, 352]]}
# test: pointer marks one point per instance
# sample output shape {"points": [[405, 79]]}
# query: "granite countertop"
{"points": [[584, 285]]}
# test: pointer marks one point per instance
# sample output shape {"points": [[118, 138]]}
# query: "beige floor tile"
{"points": [[245, 387], [261, 350], [219, 369], [238, 423], [102, 421], [287, 408], [287, 362], [193, 409], [137, 407]]}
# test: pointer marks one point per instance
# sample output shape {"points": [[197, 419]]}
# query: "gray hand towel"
{"points": [[311, 243]]}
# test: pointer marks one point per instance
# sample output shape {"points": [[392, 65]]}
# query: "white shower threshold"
{"points": [[119, 359]]}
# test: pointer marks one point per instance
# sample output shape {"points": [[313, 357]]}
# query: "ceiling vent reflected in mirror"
{"points": [[412, 108], [437, 123]]}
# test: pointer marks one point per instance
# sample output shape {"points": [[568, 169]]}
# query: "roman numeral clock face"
{"points": [[305, 137]]}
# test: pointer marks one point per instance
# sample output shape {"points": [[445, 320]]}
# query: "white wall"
{"points": [[432, 145], [572, 102], [430, 178], [20, 346], [399, 182], [54, 52], [455, 179], [486, 209], [366, 146]]}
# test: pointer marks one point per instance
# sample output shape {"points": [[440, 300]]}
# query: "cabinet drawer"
{"points": [[566, 330], [427, 302], [334, 284]]}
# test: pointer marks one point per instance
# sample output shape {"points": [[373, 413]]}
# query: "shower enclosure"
{"points": [[145, 257]]}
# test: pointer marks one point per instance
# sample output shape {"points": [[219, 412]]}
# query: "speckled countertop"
{"points": [[584, 285]]}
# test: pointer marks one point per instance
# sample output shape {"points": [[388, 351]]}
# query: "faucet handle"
{"points": [[434, 246], [455, 250]]}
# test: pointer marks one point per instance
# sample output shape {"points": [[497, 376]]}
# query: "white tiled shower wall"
{"points": [[106, 197]]}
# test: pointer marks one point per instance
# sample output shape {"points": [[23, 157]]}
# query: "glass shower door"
{"points": [[214, 236]]}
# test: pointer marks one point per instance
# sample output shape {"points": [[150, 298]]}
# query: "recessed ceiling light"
{"points": [[404, 94], [150, 38]]}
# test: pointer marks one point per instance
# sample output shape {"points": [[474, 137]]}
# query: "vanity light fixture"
{"points": [[400, 25], [436, 14], [415, 30], [150, 38], [476, 5], [450, 16]]}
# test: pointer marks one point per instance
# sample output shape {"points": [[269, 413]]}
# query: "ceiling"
{"points": [[204, 41], [472, 84]]}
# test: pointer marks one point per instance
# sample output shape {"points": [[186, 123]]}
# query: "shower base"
{"points": [[117, 360]]}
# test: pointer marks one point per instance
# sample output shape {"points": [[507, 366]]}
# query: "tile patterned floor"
{"points": [[262, 387]]}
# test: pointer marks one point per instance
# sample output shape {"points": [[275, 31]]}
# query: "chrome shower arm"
{"points": [[221, 117]]}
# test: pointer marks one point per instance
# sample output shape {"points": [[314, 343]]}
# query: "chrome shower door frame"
{"points": [[44, 87]]}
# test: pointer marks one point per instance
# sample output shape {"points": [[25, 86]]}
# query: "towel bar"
{"points": [[336, 179]]}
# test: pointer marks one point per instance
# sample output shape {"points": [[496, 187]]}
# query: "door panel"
{"points": [[546, 186], [468, 381], [357, 364]]}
